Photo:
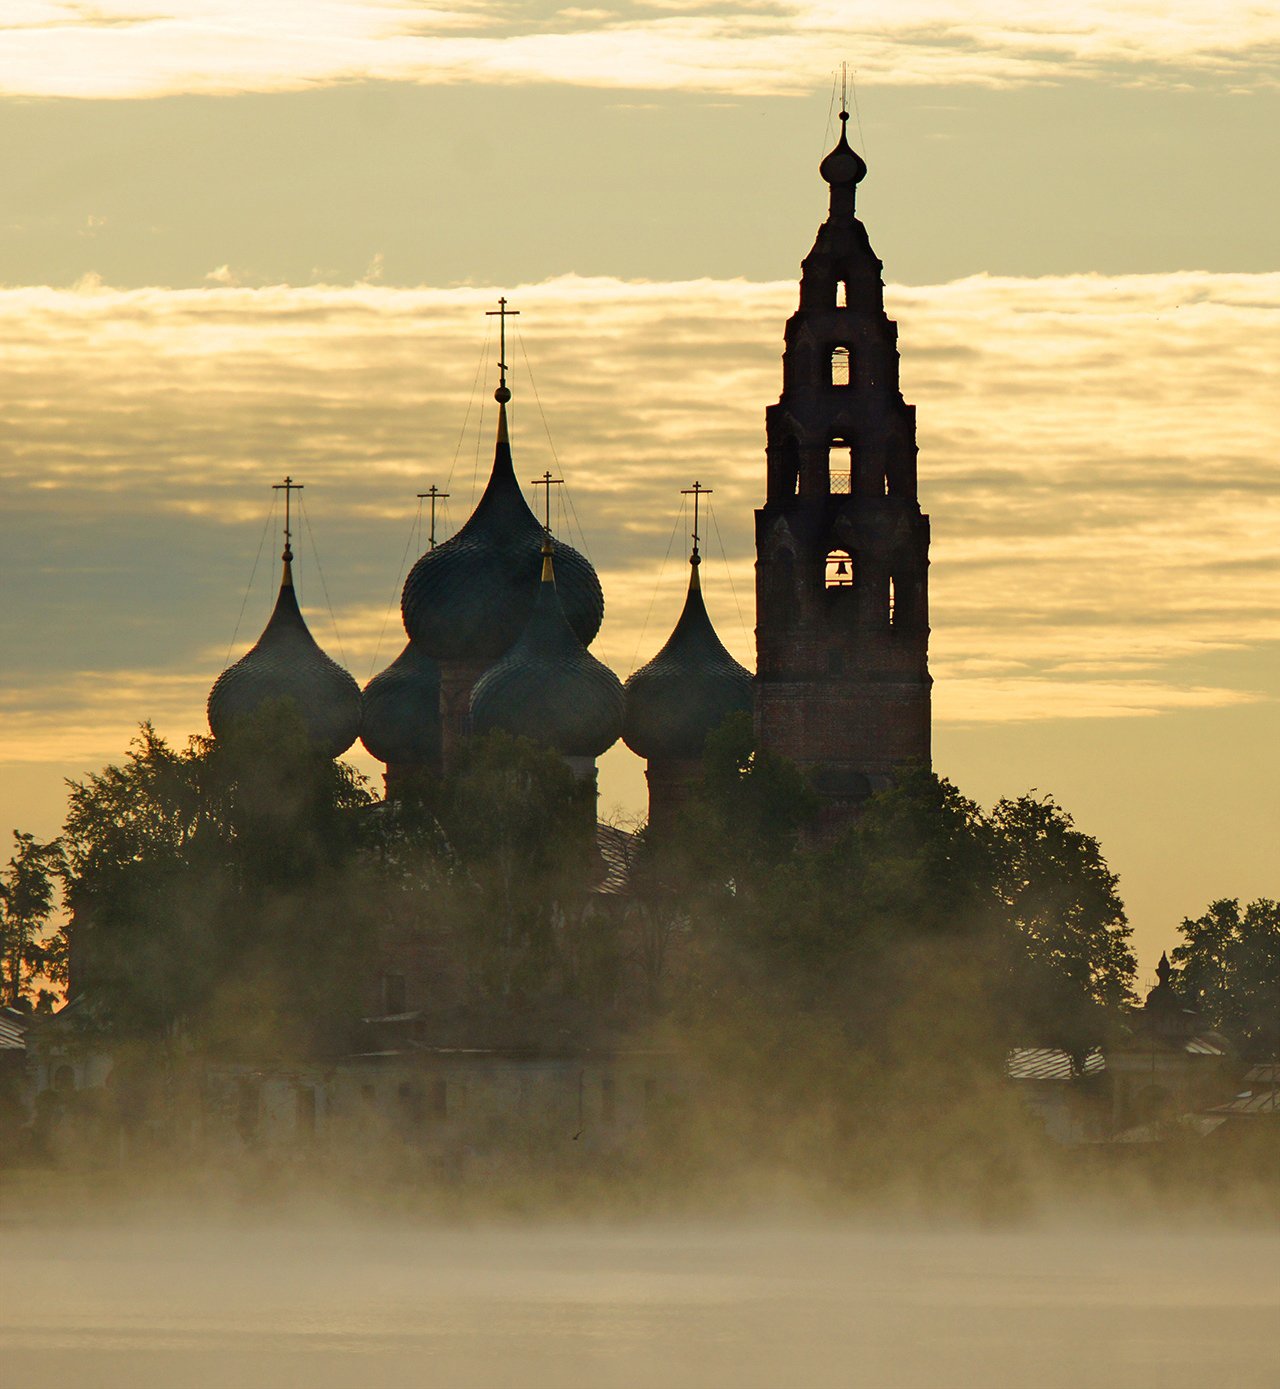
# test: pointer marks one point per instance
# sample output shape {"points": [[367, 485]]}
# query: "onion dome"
{"points": [[400, 711], [469, 598], [844, 165], [548, 686], [689, 688], [287, 664]]}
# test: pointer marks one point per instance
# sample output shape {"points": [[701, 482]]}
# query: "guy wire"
{"points": [[729, 572], [324, 588], [262, 540], [415, 532], [555, 457], [475, 382], [671, 540]]}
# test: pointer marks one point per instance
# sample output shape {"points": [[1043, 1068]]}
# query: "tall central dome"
{"points": [[470, 598]]}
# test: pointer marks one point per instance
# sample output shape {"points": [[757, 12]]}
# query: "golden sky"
{"points": [[246, 239]]}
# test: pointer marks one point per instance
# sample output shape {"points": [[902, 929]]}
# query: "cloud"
{"points": [[1097, 455], [129, 48]]}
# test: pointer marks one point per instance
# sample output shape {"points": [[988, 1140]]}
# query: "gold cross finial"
{"points": [[502, 313], [288, 487], [697, 492], [547, 481], [436, 495]]}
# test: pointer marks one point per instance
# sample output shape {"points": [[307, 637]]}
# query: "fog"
{"points": [[330, 1302]]}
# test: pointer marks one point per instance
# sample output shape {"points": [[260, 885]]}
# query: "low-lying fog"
{"points": [[190, 1305]]}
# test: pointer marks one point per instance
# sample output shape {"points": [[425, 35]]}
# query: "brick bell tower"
{"points": [[842, 547]]}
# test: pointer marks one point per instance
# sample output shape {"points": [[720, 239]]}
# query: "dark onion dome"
{"points": [[549, 687], [844, 165], [689, 688], [400, 711], [469, 598], [286, 664]]}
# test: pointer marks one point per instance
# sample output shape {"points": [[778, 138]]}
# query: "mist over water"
{"points": [[332, 1303]]}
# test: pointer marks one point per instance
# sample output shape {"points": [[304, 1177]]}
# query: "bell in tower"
{"points": [[842, 548]]}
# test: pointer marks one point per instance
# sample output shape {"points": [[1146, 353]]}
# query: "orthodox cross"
{"points": [[436, 495], [288, 487], [502, 313], [697, 492], [844, 91], [547, 481]]}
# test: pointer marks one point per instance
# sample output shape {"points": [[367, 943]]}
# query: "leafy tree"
{"points": [[1230, 960], [216, 876], [1062, 899], [27, 890]]}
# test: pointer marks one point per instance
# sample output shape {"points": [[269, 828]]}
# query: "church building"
{"points": [[500, 617]]}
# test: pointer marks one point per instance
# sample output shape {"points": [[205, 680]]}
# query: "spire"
{"points": [[697, 492], [843, 168], [288, 487]]}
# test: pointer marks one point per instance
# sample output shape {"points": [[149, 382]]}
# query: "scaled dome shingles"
{"points": [[550, 688], [287, 664], [470, 598], [687, 691], [400, 711]]}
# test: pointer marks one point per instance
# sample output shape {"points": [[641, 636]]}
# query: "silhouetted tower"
{"points": [[842, 548]]}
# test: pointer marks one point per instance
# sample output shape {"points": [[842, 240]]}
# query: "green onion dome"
{"points": [[470, 598], [286, 664], [688, 690], [548, 686], [400, 711]]}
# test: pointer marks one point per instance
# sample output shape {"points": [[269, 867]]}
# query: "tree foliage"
{"points": [[1230, 958], [31, 952]]}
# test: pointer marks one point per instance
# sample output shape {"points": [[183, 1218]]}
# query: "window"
{"points": [[841, 367], [839, 569], [842, 294], [840, 467], [893, 602]]}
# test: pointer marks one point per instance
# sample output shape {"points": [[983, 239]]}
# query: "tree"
{"points": [[221, 872], [1062, 899], [1230, 962], [27, 887]]}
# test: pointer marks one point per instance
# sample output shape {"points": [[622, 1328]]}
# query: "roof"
{"points": [[13, 1030], [469, 598], [286, 664], [400, 710], [689, 688], [549, 687], [1050, 1063]]}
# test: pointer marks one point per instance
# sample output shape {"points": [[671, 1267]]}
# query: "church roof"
{"points": [[689, 688], [400, 713], [548, 686], [470, 598], [287, 664]]}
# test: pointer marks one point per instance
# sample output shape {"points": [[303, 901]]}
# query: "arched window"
{"points": [[842, 294], [841, 366], [840, 467], [839, 569], [893, 601]]}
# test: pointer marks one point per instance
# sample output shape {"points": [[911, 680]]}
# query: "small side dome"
{"points": [[470, 598], [687, 691], [549, 687], [400, 711], [287, 664]]}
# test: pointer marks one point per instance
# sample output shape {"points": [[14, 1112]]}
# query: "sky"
{"points": [[243, 240]]}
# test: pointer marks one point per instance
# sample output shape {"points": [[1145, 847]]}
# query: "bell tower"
{"points": [[842, 547]]}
